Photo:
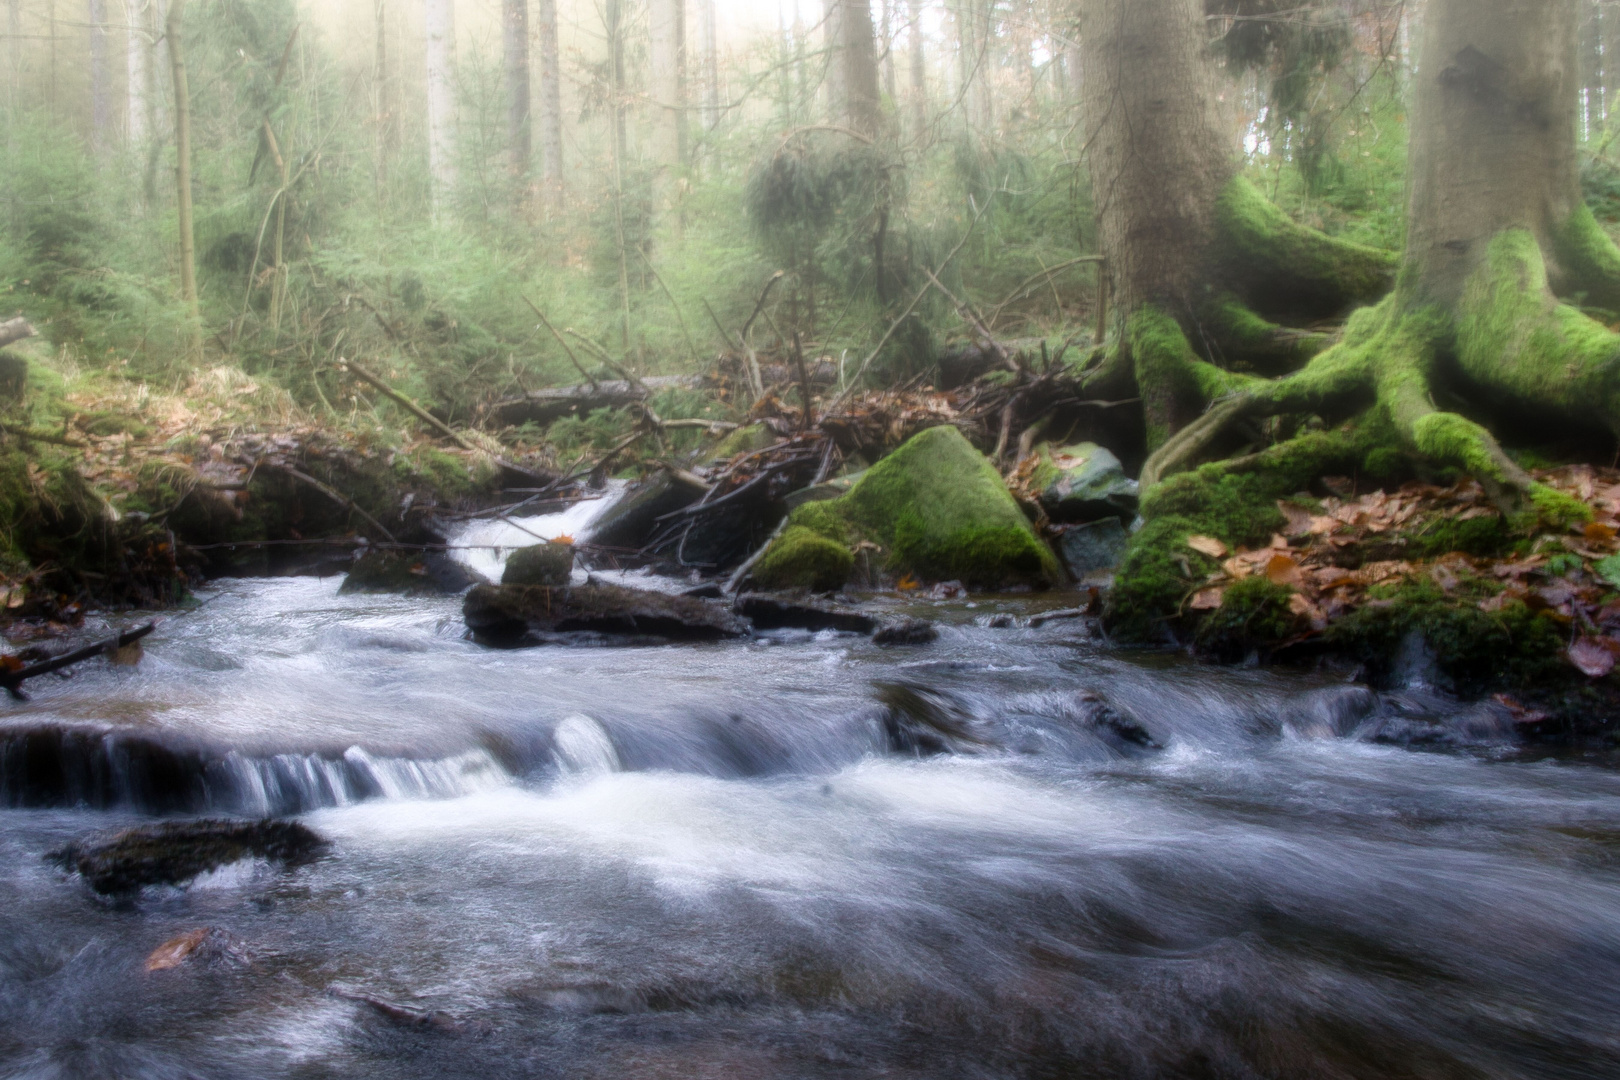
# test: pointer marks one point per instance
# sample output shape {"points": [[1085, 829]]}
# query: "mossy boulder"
{"points": [[1081, 483], [935, 509], [803, 559], [409, 572], [540, 564]]}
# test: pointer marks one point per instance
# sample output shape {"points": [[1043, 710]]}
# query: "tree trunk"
{"points": [[551, 166], [100, 77], [441, 100], [1496, 234], [137, 72], [919, 68], [857, 103], [515, 52], [711, 67], [666, 68], [385, 110], [174, 26]]}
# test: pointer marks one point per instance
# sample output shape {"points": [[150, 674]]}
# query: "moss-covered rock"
{"points": [[1081, 483], [803, 559], [540, 564], [935, 509], [412, 573]]}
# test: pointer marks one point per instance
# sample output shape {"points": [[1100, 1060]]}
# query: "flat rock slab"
{"points": [[514, 615], [175, 852]]}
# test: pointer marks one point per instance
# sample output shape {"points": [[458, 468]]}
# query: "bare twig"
{"points": [[408, 405], [561, 341]]}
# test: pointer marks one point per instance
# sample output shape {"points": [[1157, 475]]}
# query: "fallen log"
{"points": [[544, 406], [13, 680]]}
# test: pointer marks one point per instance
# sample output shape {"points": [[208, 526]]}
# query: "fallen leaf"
{"points": [[907, 584], [1208, 599], [563, 539], [175, 951], [1299, 519], [1207, 545], [1599, 532], [1282, 570], [1521, 715], [1592, 657]]}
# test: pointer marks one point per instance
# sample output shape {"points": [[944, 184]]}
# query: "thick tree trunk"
{"points": [[441, 99], [551, 165], [515, 53], [856, 102]]}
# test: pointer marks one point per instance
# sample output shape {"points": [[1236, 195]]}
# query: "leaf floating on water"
{"points": [[1207, 545], [176, 951], [1593, 656]]}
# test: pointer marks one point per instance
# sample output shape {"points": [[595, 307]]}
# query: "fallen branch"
{"points": [[15, 330], [408, 405], [754, 375], [738, 575], [561, 341], [13, 680]]}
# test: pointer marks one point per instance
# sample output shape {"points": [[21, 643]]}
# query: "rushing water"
{"points": [[1013, 853]]}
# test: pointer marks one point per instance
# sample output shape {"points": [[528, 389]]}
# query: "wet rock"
{"points": [[1094, 548], [413, 573], [411, 1017], [935, 509], [175, 852], [768, 612], [1060, 615], [540, 564], [905, 631], [803, 559], [633, 519], [514, 615], [1084, 482]]}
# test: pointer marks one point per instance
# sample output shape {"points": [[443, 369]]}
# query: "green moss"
{"points": [[803, 559], [1174, 383], [449, 477], [1557, 509], [943, 513], [745, 440], [1154, 578], [822, 518], [1477, 651], [1590, 258], [1278, 258], [1253, 615], [1252, 343], [540, 564]]}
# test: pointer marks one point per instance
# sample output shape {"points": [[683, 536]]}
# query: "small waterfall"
{"points": [[582, 747], [51, 766], [483, 545]]}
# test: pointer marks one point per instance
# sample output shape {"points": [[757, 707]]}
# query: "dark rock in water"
{"points": [[540, 564], [513, 615], [1060, 615], [1094, 548], [175, 852], [634, 519], [1084, 482], [905, 632], [768, 612], [414, 573]]}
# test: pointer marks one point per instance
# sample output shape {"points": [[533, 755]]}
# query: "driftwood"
{"points": [[15, 330], [544, 406], [13, 680]]}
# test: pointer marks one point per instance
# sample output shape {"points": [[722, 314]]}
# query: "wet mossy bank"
{"points": [[1338, 551]]}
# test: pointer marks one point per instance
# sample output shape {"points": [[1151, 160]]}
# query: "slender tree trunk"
{"points": [[384, 107], [858, 103], [919, 67], [441, 100], [100, 77], [711, 67], [551, 164], [885, 47], [174, 27], [515, 50], [137, 73], [666, 66]]}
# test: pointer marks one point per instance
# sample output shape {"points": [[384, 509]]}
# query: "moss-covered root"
{"points": [[1288, 267], [1244, 341], [1175, 385], [1590, 260]]}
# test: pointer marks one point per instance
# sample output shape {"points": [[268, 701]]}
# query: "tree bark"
{"points": [[174, 27], [100, 77], [138, 72], [666, 65], [919, 68], [857, 102], [711, 68], [551, 164], [384, 107], [515, 53], [441, 100]]}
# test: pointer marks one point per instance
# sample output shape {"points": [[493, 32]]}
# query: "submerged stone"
{"points": [[1082, 483], [513, 615], [1093, 548], [410, 572], [905, 631], [175, 852], [540, 564], [935, 509]]}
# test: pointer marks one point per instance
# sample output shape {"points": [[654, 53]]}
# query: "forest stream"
{"points": [[1014, 852]]}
